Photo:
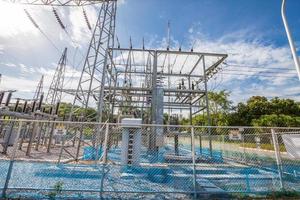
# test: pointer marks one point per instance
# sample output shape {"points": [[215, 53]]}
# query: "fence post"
{"points": [[11, 163], [104, 158], [194, 162], [277, 156], [105, 144]]}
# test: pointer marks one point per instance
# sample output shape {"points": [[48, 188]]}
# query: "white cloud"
{"points": [[80, 31], [9, 64], [121, 2], [265, 65], [14, 21]]}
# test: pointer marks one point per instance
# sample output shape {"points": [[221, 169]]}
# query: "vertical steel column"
{"points": [[12, 159], [105, 143], [152, 139], [194, 161], [278, 158], [207, 106], [31, 139], [50, 136], [10, 132], [104, 160], [79, 142], [190, 108]]}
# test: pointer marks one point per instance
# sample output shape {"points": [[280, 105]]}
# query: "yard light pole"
{"points": [[289, 36]]}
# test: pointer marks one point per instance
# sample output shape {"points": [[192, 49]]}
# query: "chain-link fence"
{"points": [[87, 160]]}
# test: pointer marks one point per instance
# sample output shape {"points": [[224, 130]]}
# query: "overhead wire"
{"points": [[39, 28], [256, 67], [52, 43], [262, 75], [64, 27], [256, 71]]}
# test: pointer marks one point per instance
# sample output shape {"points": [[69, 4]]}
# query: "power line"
{"points": [[261, 75], [256, 71], [256, 67]]}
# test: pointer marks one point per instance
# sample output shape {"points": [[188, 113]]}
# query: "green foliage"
{"points": [[275, 120], [57, 189], [257, 111], [266, 146], [284, 194], [65, 109]]}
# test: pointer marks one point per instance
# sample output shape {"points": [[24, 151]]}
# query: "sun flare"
{"points": [[13, 20]]}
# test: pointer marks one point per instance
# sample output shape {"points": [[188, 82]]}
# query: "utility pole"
{"points": [[290, 39]]}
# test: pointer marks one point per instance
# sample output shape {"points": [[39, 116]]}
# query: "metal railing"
{"points": [[88, 160]]}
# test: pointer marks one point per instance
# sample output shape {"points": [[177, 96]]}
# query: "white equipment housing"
{"points": [[131, 141]]}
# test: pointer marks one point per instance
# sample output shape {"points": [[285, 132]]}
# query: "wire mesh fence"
{"points": [[88, 160]]}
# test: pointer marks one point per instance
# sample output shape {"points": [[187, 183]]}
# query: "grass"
{"points": [[276, 195], [263, 146]]}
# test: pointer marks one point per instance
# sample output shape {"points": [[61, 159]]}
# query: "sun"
{"points": [[13, 20]]}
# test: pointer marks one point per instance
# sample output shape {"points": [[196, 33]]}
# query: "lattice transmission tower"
{"points": [[89, 92], [39, 89], [55, 90], [92, 79]]}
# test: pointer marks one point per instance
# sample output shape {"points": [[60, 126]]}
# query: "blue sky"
{"points": [[251, 32]]}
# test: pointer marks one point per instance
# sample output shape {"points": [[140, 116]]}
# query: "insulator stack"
{"points": [[31, 19], [118, 42], [40, 102], [57, 108], [8, 98], [24, 107], [86, 20], [17, 105], [143, 44], [33, 106], [58, 19], [50, 111], [1, 97]]}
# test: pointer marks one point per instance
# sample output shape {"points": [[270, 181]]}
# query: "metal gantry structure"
{"points": [[139, 84], [140, 79]]}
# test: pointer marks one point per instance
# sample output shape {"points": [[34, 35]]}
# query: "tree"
{"points": [[275, 120]]}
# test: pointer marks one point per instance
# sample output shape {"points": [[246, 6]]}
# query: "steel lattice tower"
{"points": [[55, 89], [93, 73], [39, 89]]}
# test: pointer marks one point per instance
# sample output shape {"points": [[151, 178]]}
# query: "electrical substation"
{"points": [[119, 132]]}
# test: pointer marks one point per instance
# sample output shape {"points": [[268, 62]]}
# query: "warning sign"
{"points": [[235, 135]]}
